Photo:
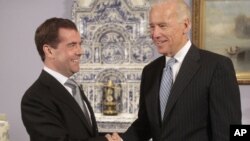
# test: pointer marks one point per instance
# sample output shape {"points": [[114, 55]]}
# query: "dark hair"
{"points": [[47, 33]]}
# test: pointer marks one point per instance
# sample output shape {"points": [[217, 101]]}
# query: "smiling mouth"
{"points": [[159, 43], [76, 60]]}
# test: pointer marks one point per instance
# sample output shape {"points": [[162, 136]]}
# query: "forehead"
{"points": [[68, 34], [161, 12]]}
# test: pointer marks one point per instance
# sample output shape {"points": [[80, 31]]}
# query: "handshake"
{"points": [[113, 137]]}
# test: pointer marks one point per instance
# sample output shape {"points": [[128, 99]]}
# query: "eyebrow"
{"points": [[70, 43]]}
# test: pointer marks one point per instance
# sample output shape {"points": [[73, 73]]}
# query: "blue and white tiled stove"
{"points": [[116, 47]]}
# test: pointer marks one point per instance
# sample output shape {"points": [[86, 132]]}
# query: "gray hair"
{"points": [[183, 8]]}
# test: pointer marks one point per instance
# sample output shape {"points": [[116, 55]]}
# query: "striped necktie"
{"points": [[166, 85]]}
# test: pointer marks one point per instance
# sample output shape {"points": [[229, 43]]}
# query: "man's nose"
{"points": [[80, 50], [155, 32]]}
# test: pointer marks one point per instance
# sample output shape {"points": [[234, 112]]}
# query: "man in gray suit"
{"points": [[49, 111], [196, 98]]}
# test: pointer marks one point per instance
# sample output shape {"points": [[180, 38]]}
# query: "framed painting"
{"points": [[223, 27]]}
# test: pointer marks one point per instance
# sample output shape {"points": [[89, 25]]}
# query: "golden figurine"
{"points": [[109, 102]]}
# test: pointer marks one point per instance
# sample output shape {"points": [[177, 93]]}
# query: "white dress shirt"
{"points": [[179, 56], [62, 79], [59, 77]]}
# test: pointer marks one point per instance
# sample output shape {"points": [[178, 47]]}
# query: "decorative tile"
{"points": [[116, 47]]}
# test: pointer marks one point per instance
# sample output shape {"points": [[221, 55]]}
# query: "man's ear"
{"points": [[187, 24], [48, 51]]}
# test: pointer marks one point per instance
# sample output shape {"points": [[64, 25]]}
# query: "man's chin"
{"points": [[76, 71], [161, 51]]}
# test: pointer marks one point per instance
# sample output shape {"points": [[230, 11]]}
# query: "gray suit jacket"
{"points": [[50, 113], [203, 102]]}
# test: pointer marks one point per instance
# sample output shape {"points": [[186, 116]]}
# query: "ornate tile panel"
{"points": [[116, 48]]}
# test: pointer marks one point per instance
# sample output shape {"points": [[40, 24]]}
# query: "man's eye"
{"points": [[151, 27], [162, 25], [72, 45]]}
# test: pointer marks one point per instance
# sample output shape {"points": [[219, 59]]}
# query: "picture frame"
{"points": [[223, 27]]}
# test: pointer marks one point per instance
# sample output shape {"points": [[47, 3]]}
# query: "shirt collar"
{"points": [[179, 56], [61, 78]]}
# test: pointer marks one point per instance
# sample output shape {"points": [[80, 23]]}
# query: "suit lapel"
{"points": [[92, 116], [154, 92], [64, 96], [188, 69]]}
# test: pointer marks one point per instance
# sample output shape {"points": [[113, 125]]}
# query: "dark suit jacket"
{"points": [[50, 113], [203, 102]]}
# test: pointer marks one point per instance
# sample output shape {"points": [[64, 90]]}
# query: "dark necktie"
{"points": [[166, 85], [77, 96]]}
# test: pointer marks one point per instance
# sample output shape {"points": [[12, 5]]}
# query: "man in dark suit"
{"points": [[203, 99], [49, 111]]}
